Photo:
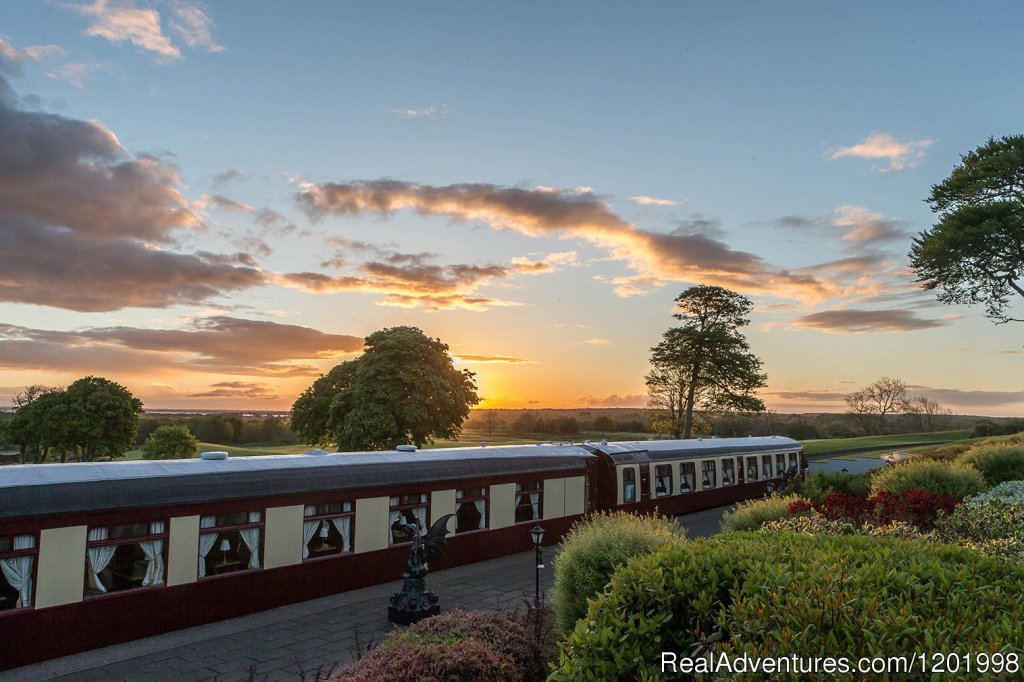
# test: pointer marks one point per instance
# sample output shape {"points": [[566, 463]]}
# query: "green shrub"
{"points": [[992, 525], [939, 478], [749, 515], [763, 594], [170, 442], [457, 645], [811, 523], [997, 463], [821, 484], [593, 548]]}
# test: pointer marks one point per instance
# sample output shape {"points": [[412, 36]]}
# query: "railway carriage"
{"points": [[93, 554]]}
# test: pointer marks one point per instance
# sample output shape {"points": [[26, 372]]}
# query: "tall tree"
{"points": [[101, 420], [705, 364], [402, 389], [975, 252], [876, 401]]}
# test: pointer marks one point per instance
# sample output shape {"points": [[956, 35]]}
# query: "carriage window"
{"points": [[687, 477], [728, 472], [471, 509], [751, 468], [663, 480], [780, 463], [708, 473], [628, 485], [792, 460], [407, 510], [17, 559], [327, 529], [766, 466], [125, 557], [229, 542], [529, 501]]}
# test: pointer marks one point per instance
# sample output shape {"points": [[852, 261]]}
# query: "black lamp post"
{"points": [[769, 488], [538, 535], [845, 471]]}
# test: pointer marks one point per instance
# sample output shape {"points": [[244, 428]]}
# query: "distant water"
{"points": [[859, 465]]}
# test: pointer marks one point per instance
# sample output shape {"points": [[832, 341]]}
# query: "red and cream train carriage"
{"points": [[97, 553]]}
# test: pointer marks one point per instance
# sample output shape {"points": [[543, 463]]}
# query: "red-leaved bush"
{"points": [[915, 506]]}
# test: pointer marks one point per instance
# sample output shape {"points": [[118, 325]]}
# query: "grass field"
{"points": [[831, 446]]}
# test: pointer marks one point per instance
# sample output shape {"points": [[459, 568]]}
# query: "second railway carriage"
{"points": [[93, 554]]}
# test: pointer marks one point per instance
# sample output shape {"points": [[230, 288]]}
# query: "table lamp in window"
{"points": [[225, 547]]}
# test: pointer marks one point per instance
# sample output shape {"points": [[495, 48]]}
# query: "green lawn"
{"points": [[830, 446]]}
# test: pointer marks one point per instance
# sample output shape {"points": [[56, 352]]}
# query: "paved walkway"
{"points": [[287, 642]]}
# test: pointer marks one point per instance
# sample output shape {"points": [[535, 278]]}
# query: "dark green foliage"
{"points": [[799, 429], [591, 551], [705, 364], [457, 645], [749, 515], [975, 252], [402, 389], [997, 463], [821, 484], [937, 477], [984, 428], [170, 442], [781, 594]]}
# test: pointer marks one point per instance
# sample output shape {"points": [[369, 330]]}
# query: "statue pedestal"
{"points": [[413, 603]]}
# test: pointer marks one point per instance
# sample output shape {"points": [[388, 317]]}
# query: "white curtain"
{"points": [[99, 557], [251, 538], [628, 491], [393, 518], [666, 485], [687, 481], [535, 503], [308, 530], [344, 526], [154, 551], [206, 542], [18, 570], [421, 517], [481, 506]]}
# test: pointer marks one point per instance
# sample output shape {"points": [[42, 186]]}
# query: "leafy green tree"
{"points": [[402, 389], [37, 425], [170, 442], [975, 252], [100, 420], [704, 365], [604, 423]]}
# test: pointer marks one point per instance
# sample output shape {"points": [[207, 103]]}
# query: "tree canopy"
{"points": [[170, 442], [402, 389], [93, 417], [704, 365], [975, 252]]}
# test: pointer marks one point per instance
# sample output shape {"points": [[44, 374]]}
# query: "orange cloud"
{"points": [[882, 146]]}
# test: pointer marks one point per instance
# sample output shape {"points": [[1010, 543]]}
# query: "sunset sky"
{"points": [[214, 203]]}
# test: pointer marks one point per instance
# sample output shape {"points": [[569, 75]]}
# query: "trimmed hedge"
{"points": [[593, 548], [1008, 491], [936, 477], [821, 484], [458, 645], [770, 595], [994, 526], [749, 515], [997, 463]]}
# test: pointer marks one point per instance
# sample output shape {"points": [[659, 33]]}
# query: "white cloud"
{"points": [[877, 146], [193, 26], [652, 201], [433, 111]]}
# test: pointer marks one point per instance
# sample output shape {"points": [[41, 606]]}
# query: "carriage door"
{"points": [[741, 472], [645, 482]]}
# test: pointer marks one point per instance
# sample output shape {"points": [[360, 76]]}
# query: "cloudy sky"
{"points": [[213, 203]]}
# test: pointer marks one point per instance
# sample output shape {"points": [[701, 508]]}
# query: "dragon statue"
{"points": [[414, 603]]}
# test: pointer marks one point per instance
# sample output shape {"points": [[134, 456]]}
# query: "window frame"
{"points": [[704, 469], [327, 516], [658, 477], [525, 492], [407, 506], [731, 466], [682, 477], [461, 499], [12, 553], [769, 474], [632, 479], [757, 468], [230, 528], [165, 536]]}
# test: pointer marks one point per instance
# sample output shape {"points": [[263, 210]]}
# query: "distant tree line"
{"points": [[223, 429], [533, 424]]}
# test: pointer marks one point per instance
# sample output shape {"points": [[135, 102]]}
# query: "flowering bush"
{"points": [[915, 506]]}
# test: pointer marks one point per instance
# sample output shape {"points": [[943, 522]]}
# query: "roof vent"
{"points": [[406, 448], [604, 441], [773, 435], [700, 438], [483, 444], [220, 454], [315, 453]]}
